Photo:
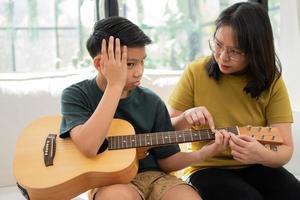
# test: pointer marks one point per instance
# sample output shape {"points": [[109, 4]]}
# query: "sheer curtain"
{"points": [[289, 52], [289, 48]]}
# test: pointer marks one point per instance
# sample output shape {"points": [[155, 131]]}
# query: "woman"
{"points": [[239, 84]]}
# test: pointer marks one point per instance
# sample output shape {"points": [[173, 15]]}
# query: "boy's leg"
{"points": [[169, 187], [180, 192], [117, 191]]}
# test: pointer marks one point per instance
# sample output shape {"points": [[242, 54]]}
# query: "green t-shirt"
{"points": [[228, 104], [145, 111]]}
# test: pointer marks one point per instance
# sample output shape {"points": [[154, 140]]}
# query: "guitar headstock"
{"points": [[265, 135]]}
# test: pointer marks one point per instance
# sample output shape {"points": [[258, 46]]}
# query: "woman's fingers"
{"points": [[208, 118], [199, 116], [195, 118]]}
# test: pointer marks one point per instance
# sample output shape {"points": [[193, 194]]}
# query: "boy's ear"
{"points": [[97, 62]]}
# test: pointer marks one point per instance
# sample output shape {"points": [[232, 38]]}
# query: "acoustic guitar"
{"points": [[48, 167]]}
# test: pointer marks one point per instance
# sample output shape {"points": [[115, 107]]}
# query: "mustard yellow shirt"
{"points": [[229, 105]]}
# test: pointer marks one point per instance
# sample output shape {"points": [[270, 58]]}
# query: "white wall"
{"points": [[289, 48], [289, 52]]}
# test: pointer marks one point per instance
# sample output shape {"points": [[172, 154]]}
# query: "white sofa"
{"points": [[26, 98]]}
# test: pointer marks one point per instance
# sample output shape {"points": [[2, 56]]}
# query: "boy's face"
{"points": [[135, 66]]}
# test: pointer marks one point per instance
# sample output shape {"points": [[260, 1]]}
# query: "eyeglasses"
{"points": [[217, 48]]}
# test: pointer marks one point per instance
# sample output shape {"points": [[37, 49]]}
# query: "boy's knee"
{"points": [[122, 192]]}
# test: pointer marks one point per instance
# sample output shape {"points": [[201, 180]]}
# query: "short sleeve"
{"points": [[279, 109], [74, 109], [182, 97]]}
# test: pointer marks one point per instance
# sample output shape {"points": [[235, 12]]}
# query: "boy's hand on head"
{"points": [[113, 64]]}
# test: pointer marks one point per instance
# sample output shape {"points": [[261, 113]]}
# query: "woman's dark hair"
{"points": [[253, 32], [118, 27]]}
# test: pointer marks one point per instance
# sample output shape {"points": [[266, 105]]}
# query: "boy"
{"points": [[117, 47]]}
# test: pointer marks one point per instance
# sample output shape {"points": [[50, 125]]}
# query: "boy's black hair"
{"points": [[118, 27], [253, 32]]}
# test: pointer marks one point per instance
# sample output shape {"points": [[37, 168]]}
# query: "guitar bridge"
{"points": [[49, 149]]}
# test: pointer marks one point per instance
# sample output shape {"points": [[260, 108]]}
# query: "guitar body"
{"points": [[71, 173]]}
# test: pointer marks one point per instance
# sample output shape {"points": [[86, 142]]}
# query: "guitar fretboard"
{"points": [[161, 138]]}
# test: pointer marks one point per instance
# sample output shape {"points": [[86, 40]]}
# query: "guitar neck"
{"points": [[162, 138]]}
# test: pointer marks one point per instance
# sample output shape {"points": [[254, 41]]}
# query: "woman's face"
{"points": [[228, 56]]}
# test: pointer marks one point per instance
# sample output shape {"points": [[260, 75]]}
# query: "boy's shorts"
{"points": [[151, 185]]}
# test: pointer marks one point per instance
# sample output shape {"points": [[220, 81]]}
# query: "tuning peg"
{"points": [[269, 129], [249, 127], [259, 129]]}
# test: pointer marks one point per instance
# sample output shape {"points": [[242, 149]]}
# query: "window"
{"points": [[180, 29], [44, 36], [40, 36]]}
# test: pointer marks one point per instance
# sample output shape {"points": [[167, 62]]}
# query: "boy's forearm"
{"points": [[93, 132], [181, 160]]}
